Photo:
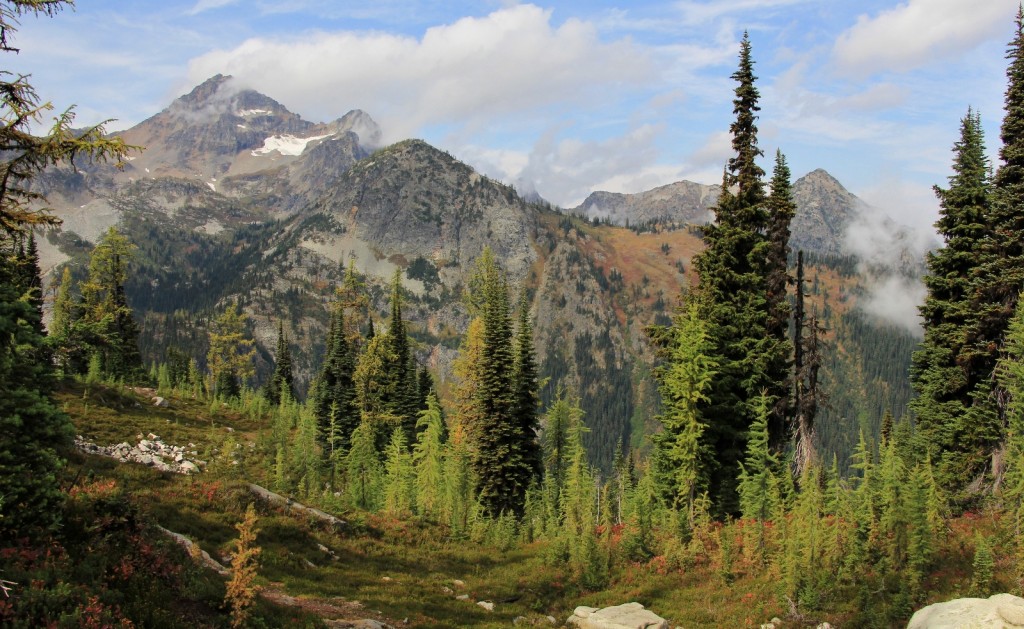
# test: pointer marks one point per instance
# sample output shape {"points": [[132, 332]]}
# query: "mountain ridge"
{"points": [[268, 215]]}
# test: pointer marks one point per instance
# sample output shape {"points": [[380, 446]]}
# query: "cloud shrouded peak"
{"points": [[513, 60]]}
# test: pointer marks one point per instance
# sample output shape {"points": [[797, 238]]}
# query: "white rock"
{"points": [[824, 625], [145, 459], [188, 467], [1002, 611], [462, 597], [161, 402], [627, 616], [488, 605]]}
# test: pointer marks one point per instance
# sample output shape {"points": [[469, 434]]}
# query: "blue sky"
{"points": [[572, 96]]}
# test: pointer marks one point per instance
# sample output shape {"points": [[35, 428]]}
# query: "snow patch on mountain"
{"points": [[286, 144]]}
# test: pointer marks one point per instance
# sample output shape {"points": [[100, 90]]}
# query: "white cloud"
{"points": [[566, 171], [207, 5], [894, 299], [919, 32], [909, 203], [512, 61], [889, 256], [703, 12], [715, 151]]}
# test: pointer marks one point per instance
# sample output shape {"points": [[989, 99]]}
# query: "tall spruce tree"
{"points": [[526, 395], [404, 399], [498, 464], [34, 430], [781, 209], [1000, 277], [334, 392], [946, 383], [732, 294], [283, 378]]}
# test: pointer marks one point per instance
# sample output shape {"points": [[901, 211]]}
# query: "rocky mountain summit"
{"points": [[824, 209]]}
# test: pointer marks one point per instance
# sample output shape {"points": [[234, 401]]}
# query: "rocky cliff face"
{"points": [[683, 202]]}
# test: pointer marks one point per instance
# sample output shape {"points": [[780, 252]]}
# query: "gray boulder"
{"points": [[627, 616], [997, 612]]}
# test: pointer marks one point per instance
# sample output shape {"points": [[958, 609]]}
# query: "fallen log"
{"points": [[289, 504], [194, 550]]}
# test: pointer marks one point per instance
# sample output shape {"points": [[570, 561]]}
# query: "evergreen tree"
{"points": [[681, 451], [579, 518], [34, 430], [428, 458], [364, 474], [468, 416], [375, 389], [807, 393], [943, 373], [306, 452], [283, 377], [758, 486], [999, 278], [402, 397], [334, 392], [781, 209], [29, 277], [399, 476], [983, 567], [1010, 375], [562, 414], [526, 396], [231, 352], [732, 294], [105, 306], [503, 476]]}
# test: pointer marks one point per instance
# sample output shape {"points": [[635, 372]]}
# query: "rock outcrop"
{"points": [[150, 451], [627, 616], [997, 612]]}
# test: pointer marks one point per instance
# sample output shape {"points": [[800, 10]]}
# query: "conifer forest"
{"points": [[756, 487]]}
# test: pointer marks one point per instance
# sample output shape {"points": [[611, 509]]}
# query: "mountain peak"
{"points": [[819, 177], [222, 95], [207, 89]]}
